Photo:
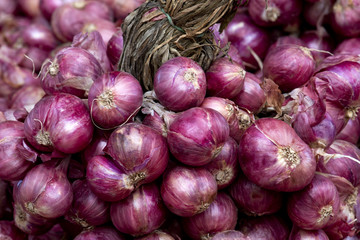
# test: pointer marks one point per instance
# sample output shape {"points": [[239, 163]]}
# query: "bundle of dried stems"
{"points": [[163, 29]]}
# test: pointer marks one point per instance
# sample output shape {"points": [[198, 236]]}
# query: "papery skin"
{"points": [[73, 70], [188, 191], [225, 166], [140, 213], [242, 32], [252, 96], [254, 200], [197, 135], [267, 227], [224, 78], [114, 98], [338, 164], [259, 156], [286, 11], [87, 209], [304, 207], [106, 180], [289, 66], [220, 216], [238, 119], [16, 157], [65, 121], [345, 18], [137, 148], [230, 235], [103, 233], [302, 234], [180, 84], [46, 191]]}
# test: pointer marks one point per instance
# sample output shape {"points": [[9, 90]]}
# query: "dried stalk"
{"points": [[163, 29]]}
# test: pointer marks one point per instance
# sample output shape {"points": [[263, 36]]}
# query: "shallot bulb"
{"points": [[348, 46], [94, 44], [180, 84], [254, 200], [313, 207], [188, 191], [351, 131], [289, 66], [47, 7], [220, 216], [273, 156], [344, 223], [45, 190], [310, 120], [238, 119], [87, 209], [26, 97], [336, 82], [245, 35], [197, 135], [224, 78], [274, 12], [225, 166], [73, 70], [107, 181], [140, 213], [59, 122], [140, 151], [16, 156], [252, 97], [114, 98], [345, 18], [69, 19], [115, 47], [29, 223]]}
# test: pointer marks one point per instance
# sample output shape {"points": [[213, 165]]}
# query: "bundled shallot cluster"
{"points": [[262, 145]]}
